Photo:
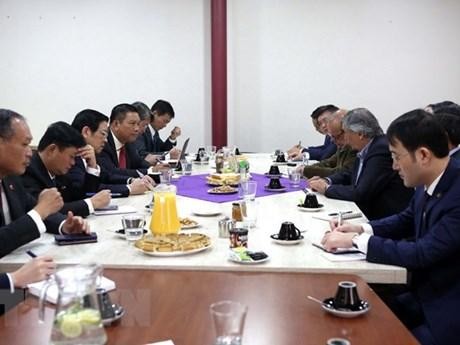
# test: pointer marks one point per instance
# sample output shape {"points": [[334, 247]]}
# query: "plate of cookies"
{"points": [[173, 244], [223, 190]]}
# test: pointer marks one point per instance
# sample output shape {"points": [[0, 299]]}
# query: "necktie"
{"points": [[156, 142], [122, 158], [2, 219], [426, 197]]}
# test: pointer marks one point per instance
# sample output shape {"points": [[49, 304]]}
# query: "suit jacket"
{"points": [[22, 229], [36, 178], [318, 153], [145, 144], [433, 258], [379, 191], [108, 160], [343, 159], [4, 281], [78, 175], [456, 155]]}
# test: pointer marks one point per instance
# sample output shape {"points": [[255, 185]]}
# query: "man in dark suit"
{"points": [[37, 269], [451, 124], [420, 154], [343, 159], [149, 144], [93, 126], [22, 217], [119, 156], [320, 118], [372, 183], [49, 166]]}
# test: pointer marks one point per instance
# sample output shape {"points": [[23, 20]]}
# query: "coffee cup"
{"points": [[288, 232], [275, 183], [106, 308], [311, 201], [274, 170], [280, 158], [346, 296]]}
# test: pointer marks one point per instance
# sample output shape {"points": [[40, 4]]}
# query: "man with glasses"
{"points": [[371, 184], [343, 159], [94, 127], [430, 305]]}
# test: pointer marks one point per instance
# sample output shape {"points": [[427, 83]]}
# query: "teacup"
{"points": [[346, 296], [311, 201], [288, 232], [274, 170], [280, 158], [275, 183]]}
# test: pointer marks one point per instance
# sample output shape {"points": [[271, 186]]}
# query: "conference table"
{"points": [[113, 251], [168, 297], [174, 305]]}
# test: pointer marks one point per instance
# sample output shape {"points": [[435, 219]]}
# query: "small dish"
{"points": [[207, 212], [119, 312], [273, 175], [282, 189], [189, 223], [217, 191], [175, 253], [234, 257], [275, 239], [362, 308], [309, 209]]}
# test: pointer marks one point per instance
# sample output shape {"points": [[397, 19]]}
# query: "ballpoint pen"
{"points": [[336, 213], [339, 219], [111, 194], [31, 254], [141, 175]]}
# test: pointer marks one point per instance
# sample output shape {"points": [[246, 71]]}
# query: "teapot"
{"points": [[164, 217], [77, 319]]}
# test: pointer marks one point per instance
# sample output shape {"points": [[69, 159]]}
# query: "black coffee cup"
{"points": [[274, 170], [346, 296], [275, 183], [280, 158], [311, 201], [288, 232], [106, 307]]}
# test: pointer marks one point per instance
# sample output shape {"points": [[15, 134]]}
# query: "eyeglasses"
{"points": [[397, 157], [337, 135]]}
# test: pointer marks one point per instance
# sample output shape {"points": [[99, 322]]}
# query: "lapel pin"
{"points": [[11, 187]]}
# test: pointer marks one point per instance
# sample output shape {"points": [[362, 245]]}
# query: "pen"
{"points": [[31, 254], [141, 175], [336, 214], [111, 194], [339, 219]]}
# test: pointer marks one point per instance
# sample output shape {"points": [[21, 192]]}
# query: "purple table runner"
{"points": [[195, 186]]}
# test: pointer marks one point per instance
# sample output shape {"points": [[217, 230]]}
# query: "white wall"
{"points": [[58, 57], [288, 57]]}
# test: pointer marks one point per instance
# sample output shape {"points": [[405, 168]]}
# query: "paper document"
{"points": [[331, 216], [119, 210], [52, 293]]}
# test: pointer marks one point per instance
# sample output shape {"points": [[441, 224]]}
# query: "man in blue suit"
{"points": [[418, 144]]}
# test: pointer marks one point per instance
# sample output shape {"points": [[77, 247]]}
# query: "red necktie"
{"points": [[122, 158]]}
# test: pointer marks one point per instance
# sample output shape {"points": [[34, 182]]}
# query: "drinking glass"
{"points": [[294, 176], [228, 318], [133, 224], [305, 158], [186, 166], [249, 212], [211, 152], [247, 190], [165, 176]]}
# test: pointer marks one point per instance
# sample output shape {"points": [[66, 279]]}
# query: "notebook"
{"points": [[120, 210]]}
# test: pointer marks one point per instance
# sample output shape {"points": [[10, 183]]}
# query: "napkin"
{"points": [[52, 293]]}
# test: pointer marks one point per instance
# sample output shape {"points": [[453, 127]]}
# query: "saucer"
{"points": [[121, 232], [275, 239], [235, 257], [273, 175], [207, 212], [119, 312], [362, 308], [279, 163], [282, 189], [309, 209]]}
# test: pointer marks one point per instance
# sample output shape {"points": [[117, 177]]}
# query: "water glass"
{"points": [[249, 212], [186, 166], [133, 224], [247, 190], [305, 157], [294, 176], [166, 175], [211, 151], [228, 318]]}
